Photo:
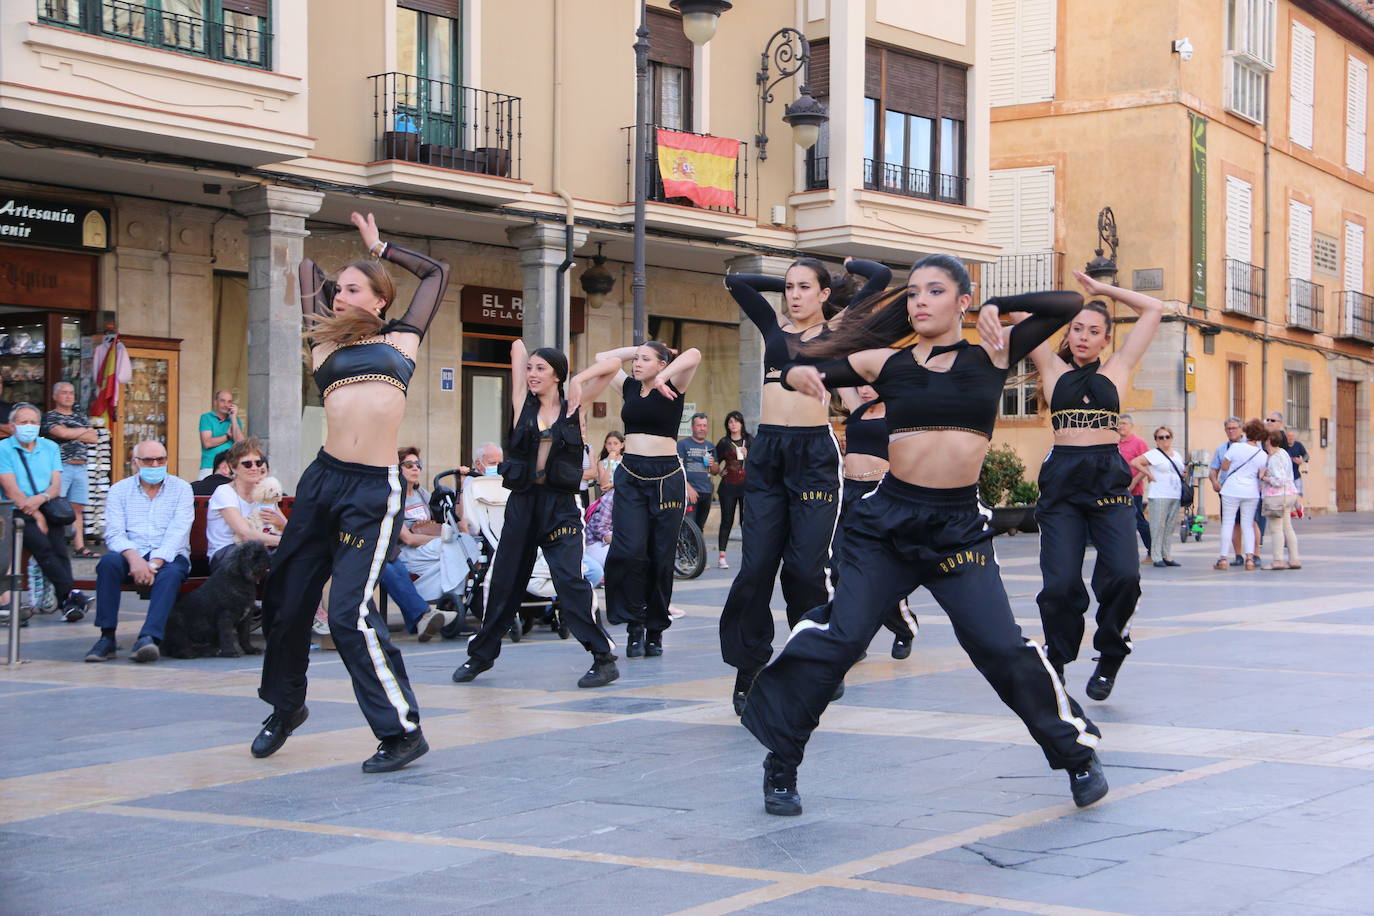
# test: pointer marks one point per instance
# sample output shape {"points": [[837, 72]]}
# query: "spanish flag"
{"points": [[702, 169]]}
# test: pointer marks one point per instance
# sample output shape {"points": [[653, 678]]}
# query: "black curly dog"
{"points": [[215, 618]]}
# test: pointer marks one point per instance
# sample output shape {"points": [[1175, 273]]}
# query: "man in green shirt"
{"points": [[219, 428]]}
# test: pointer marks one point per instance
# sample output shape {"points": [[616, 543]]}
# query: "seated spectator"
{"points": [[231, 505], [437, 554], [71, 429], [31, 475], [148, 520], [220, 475], [394, 577], [597, 532]]}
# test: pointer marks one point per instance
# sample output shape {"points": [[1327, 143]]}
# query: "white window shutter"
{"points": [[1002, 208], [1021, 205], [1299, 240], [1301, 85], [1356, 112], [1022, 51], [1002, 60], [1239, 229], [1353, 274]]}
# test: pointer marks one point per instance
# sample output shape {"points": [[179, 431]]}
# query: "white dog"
{"points": [[266, 493]]}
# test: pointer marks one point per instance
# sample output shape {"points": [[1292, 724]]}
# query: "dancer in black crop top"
{"points": [[1085, 485], [792, 481], [543, 471], [650, 488], [922, 526], [348, 502]]}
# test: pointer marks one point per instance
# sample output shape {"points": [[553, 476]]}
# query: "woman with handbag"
{"points": [[31, 476], [1240, 494], [1280, 493], [1168, 484]]}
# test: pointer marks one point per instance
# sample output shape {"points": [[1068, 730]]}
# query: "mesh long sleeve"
{"points": [[746, 289], [317, 292], [424, 305], [839, 373], [1049, 311], [876, 274]]}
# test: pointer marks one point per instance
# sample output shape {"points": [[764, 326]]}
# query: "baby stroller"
{"points": [[1192, 523], [467, 599]]}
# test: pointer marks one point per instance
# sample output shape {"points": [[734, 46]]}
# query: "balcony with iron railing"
{"points": [[435, 123], [1356, 316], [145, 24], [897, 179], [817, 172], [1305, 305], [654, 164], [1244, 289], [1013, 274]]}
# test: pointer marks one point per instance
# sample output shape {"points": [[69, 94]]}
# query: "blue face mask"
{"points": [[490, 471], [26, 432], [152, 476]]}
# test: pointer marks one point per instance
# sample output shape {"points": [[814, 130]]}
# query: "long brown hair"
{"points": [[354, 324], [1097, 306]]}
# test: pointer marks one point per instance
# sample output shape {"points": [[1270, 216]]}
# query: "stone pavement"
{"points": [[1239, 745]]}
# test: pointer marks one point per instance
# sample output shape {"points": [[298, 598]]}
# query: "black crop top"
{"points": [[1085, 399], [965, 397], [374, 359], [779, 346], [652, 414], [865, 435]]}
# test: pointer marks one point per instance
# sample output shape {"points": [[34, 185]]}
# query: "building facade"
{"points": [[224, 140], [1229, 139]]}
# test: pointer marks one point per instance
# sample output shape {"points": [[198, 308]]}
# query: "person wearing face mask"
{"points": [[792, 477], [543, 471], [148, 520], [922, 525], [348, 502], [31, 476], [650, 487], [1085, 484]]}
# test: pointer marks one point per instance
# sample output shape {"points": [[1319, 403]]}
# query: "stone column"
{"points": [[276, 234], [542, 249], [750, 340]]}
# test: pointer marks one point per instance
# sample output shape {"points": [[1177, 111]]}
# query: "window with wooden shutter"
{"points": [[670, 71], [1021, 205], [449, 9], [1353, 273], [1301, 85], [259, 8], [1022, 41], [1356, 112], [1299, 240], [1239, 228], [914, 124]]}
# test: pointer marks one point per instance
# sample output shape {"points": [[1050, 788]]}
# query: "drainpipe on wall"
{"points": [[560, 323], [1264, 337]]}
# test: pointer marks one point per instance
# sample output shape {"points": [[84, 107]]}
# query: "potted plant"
{"points": [[1002, 473], [1026, 494]]}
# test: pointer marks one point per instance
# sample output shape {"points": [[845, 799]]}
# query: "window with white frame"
{"points": [[1018, 397], [1302, 85], [1297, 399], [1356, 112], [1249, 56]]}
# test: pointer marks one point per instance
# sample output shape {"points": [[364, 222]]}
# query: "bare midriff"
{"points": [[792, 408], [1086, 437], [363, 419], [650, 446], [864, 467], [937, 458]]}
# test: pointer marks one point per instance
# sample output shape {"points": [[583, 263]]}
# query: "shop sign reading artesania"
{"points": [[36, 221]]}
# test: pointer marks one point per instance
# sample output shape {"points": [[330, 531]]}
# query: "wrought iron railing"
{"points": [[1305, 305], [432, 122], [896, 179], [654, 177], [158, 28], [1014, 274], [817, 172], [1356, 316], [1244, 289]]}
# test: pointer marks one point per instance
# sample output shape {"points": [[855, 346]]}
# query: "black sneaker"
{"points": [[744, 682], [601, 673], [276, 728], [103, 650], [634, 641], [74, 608], [780, 795], [145, 650], [394, 753], [1103, 678], [469, 670], [653, 644], [1088, 784], [901, 648]]}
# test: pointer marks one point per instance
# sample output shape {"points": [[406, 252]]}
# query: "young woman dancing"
{"points": [[543, 471], [1085, 484], [792, 473], [732, 451], [348, 501], [921, 526], [650, 487]]}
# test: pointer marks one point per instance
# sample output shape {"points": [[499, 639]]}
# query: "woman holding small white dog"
{"points": [[235, 513]]}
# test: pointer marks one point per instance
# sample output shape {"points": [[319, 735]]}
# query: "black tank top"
{"points": [[652, 414], [965, 397], [1085, 399], [865, 435]]}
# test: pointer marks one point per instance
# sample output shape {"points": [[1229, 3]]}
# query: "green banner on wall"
{"points": [[1197, 131]]}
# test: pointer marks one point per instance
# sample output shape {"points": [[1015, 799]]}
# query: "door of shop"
{"points": [[1345, 445], [486, 408]]}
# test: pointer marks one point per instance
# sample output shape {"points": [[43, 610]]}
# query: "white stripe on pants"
{"points": [[1245, 506]]}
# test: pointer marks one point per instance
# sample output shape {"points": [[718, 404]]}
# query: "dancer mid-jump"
{"points": [[1085, 484], [922, 526], [344, 519]]}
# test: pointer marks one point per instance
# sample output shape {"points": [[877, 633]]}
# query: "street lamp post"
{"points": [[791, 56], [1104, 268]]}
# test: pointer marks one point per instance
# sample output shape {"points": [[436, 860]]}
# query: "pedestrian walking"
{"points": [[732, 451]]}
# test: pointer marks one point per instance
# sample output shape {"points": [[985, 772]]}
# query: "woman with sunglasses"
{"points": [[426, 549], [231, 505], [344, 518], [1085, 483], [1166, 472]]}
